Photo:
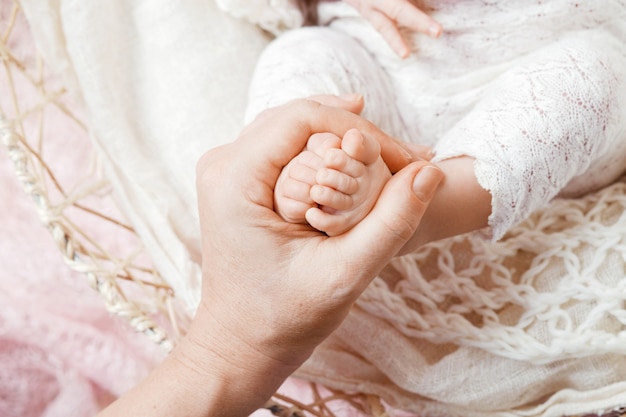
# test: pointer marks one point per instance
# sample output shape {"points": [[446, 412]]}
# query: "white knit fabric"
{"points": [[275, 16]]}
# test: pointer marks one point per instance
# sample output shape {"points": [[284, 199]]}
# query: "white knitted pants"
{"points": [[547, 122]]}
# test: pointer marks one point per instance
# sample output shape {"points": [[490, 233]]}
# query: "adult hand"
{"points": [[388, 15], [272, 291]]}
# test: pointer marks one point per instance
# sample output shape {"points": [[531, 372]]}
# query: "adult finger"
{"points": [[419, 152], [353, 103], [281, 133], [396, 154]]}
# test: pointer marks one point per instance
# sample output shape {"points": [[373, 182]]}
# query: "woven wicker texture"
{"points": [[129, 286]]}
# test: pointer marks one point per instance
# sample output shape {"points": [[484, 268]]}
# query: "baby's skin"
{"points": [[333, 184]]}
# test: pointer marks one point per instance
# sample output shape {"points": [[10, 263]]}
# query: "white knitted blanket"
{"points": [[533, 325]]}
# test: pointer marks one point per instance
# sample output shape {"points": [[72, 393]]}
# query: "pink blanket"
{"points": [[61, 353]]}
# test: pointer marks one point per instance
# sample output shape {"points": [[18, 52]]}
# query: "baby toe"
{"points": [[337, 180], [362, 148], [326, 196]]}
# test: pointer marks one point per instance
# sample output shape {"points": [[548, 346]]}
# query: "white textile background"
{"points": [[163, 82]]}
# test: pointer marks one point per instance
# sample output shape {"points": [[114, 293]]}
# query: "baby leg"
{"points": [[333, 184], [319, 60]]}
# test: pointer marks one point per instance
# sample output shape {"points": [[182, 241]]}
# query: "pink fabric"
{"points": [[61, 352]]}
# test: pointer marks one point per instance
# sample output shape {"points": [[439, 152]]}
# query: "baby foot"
{"points": [[293, 189], [348, 185]]}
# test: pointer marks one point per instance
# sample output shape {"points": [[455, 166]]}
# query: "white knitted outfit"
{"points": [[534, 91]]}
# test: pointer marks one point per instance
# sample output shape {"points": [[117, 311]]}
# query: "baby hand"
{"points": [[388, 15]]}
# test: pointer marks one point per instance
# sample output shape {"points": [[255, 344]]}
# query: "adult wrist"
{"points": [[242, 375]]}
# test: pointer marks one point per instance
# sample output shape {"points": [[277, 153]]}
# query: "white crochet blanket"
{"points": [[529, 326]]}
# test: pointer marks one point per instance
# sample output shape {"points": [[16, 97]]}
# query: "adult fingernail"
{"points": [[407, 155], [426, 182], [350, 97]]}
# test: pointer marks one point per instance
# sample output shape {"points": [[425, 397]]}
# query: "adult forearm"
{"points": [[200, 381]]}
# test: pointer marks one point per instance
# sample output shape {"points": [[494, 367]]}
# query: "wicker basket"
{"points": [[130, 287]]}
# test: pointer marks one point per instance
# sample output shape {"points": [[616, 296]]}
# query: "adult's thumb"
{"points": [[395, 217]]}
